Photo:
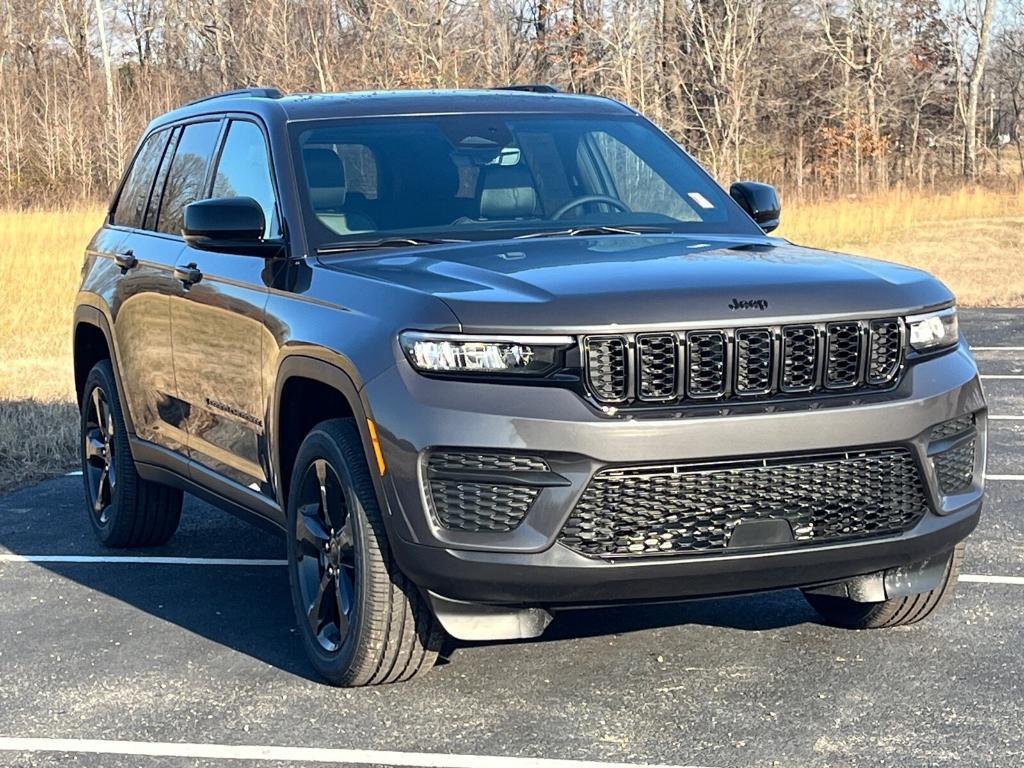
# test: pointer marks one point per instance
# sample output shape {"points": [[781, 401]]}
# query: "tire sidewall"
{"points": [[333, 665]]}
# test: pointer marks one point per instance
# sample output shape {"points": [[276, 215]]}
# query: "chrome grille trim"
{"points": [[707, 356], [801, 353], [606, 359], [756, 359], [746, 363], [657, 366], [843, 354], [884, 349]]}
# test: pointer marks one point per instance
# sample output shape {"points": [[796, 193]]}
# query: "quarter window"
{"points": [[131, 205], [244, 170], [186, 180], [149, 221]]}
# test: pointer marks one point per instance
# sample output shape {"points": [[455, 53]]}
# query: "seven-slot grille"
{"points": [[743, 363]]}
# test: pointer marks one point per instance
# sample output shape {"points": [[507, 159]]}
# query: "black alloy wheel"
{"points": [[100, 455], [325, 555], [361, 621]]}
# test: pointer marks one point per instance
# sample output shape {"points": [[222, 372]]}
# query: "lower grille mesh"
{"points": [[677, 510], [464, 506], [955, 466]]}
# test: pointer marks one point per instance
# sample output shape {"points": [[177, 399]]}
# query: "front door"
{"points": [[218, 328]]}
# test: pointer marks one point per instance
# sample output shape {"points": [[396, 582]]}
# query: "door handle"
{"points": [[189, 274], [126, 260]]}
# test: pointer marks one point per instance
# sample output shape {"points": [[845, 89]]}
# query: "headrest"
{"points": [[325, 174], [507, 192], [429, 173]]}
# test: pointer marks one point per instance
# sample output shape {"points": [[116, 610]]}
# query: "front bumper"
{"points": [[527, 566]]}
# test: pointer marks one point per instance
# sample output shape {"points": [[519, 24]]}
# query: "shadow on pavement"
{"points": [[248, 608]]}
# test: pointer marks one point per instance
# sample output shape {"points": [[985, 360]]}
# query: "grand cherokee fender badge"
{"points": [[236, 412], [761, 304]]}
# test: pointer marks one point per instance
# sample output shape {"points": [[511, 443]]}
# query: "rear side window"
{"points": [[131, 205], [186, 179], [149, 222], [244, 170]]}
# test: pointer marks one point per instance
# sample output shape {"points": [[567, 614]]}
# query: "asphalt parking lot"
{"points": [[194, 661]]}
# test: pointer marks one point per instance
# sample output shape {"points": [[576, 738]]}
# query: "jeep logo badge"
{"points": [[761, 304]]}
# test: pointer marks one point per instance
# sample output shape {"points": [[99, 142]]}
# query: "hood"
{"points": [[638, 281]]}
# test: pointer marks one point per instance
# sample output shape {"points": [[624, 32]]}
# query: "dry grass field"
{"points": [[971, 239]]}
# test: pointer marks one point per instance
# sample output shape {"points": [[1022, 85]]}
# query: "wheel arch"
{"points": [[310, 389], [92, 341]]}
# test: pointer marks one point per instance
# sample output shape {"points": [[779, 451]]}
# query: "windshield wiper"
{"points": [[595, 229], [384, 242]]}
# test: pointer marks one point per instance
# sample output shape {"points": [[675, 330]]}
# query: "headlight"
{"points": [[934, 330], [494, 355]]}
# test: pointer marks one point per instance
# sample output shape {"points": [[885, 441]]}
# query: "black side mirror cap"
{"points": [[229, 225], [759, 200]]}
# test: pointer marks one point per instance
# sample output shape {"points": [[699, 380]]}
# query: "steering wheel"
{"points": [[612, 201]]}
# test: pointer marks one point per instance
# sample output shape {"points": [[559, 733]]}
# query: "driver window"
{"points": [[637, 184], [244, 171]]}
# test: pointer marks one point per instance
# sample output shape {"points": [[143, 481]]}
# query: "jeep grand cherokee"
{"points": [[486, 355]]}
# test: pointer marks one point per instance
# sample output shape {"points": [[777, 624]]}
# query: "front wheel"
{"points": [[361, 620], [897, 612]]}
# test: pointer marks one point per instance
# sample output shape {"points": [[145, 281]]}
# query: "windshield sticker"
{"points": [[700, 200]]}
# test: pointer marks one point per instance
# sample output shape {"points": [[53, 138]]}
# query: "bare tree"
{"points": [[818, 96], [970, 29]]}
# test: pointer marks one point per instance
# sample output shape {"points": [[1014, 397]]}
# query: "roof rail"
{"points": [[261, 93], [530, 88]]}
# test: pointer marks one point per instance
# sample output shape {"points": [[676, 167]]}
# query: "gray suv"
{"points": [[486, 355]]}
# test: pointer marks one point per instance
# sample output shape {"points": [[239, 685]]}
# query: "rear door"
{"points": [[141, 300], [218, 326]]}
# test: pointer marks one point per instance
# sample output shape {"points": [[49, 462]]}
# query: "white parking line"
{"points": [[136, 560], [1002, 376], [1004, 477], [974, 578], [996, 417], [299, 754], [997, 349]]}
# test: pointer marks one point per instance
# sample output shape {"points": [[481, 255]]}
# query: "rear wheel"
{"points": [[897, 612], [124, 509], [362, 622]]}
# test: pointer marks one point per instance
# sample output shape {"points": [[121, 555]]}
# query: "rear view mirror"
{"points": [[759, 200], [229, 225]]}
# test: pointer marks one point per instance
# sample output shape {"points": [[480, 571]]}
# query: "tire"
{"points": [[365, 623], [897, 612], [124, 509]]}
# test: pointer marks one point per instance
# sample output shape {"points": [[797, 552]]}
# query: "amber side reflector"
{"points": [[376, 446]]}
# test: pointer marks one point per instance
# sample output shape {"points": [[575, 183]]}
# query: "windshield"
{"points": [[486, 176]]}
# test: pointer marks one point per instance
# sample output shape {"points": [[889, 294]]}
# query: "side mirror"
{"points": [[229, 225], [759, 200]]}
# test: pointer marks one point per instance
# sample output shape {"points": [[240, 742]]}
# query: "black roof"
{"points": [[314, 106]]}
